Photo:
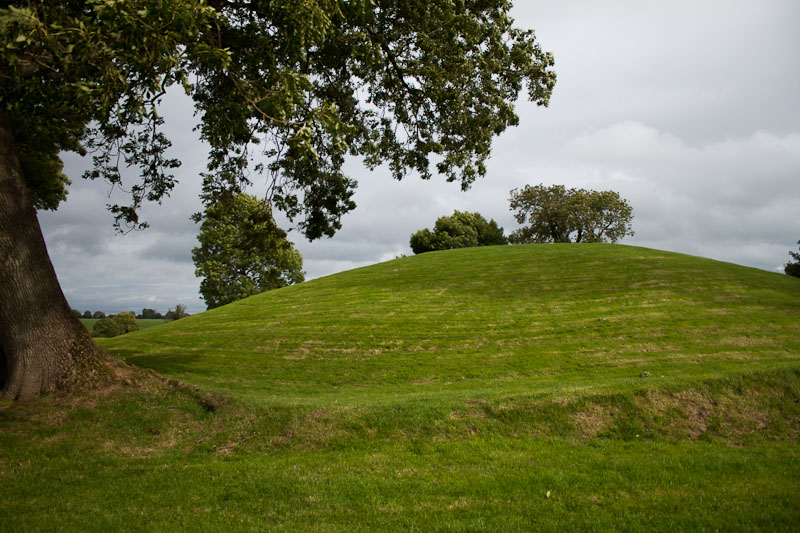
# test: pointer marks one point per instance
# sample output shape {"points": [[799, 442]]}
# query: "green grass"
{"points": [[485, 323], [451, 391]]}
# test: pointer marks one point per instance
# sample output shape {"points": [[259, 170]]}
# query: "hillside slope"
{"points": [[486, 323], [516, 388]]}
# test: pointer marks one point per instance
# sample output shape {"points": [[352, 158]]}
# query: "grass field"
{"points": [[546, 387]]}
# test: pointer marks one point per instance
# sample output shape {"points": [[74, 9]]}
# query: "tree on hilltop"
{"points": [[459, 230], [792, 268], [558, 214], [243, 252], [287, 89]]}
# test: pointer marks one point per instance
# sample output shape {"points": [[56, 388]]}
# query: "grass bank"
{"points": [[497, 389]]}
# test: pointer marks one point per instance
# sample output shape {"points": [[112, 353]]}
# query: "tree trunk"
{"points": [[41, 344]]}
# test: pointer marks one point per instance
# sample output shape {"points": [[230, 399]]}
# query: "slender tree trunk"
{"points": [[42, 345]]}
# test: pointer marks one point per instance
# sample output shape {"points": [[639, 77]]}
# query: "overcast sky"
{"points": [[689, 109]]}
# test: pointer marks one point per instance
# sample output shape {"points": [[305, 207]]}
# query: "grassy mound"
{"points": [[514, 388], [485, 323]]}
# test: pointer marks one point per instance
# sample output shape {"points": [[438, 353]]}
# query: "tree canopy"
{"points": [[243, 252], [286, 89], [558, 214], [459, 230]]}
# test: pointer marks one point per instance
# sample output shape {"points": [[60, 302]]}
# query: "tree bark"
{"points": [[42, 345]]}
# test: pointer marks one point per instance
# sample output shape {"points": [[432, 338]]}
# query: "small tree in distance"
{"points": [[150, 314], [558, 214], [177, 313], [117, 325], [792, 268], [459, 230]]}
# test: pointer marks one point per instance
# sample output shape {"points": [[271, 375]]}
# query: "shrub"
{"points": [[107, 327], [117, 325]]}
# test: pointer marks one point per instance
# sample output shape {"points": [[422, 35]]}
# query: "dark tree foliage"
{"points": [[149, 314], [98, 314], [243, 252], [286, 89], [558, 214], [459, 230], [792, 268]]}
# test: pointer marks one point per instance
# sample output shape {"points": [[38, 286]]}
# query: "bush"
{"points": [[107, 327], [117, 325], [127, 321]]}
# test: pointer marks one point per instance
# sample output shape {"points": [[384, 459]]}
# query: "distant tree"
{"points": [[792, 268], [98, 314], [459, 230], [107, 327], [558, 214], [126, 321], [76, 313], [243, 252], [118, 324], [149, 314], [177, 313], [87, 314]]}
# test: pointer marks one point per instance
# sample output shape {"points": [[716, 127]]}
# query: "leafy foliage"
{"points": [[283, 88], [792, 268], [459, 230], [243, 252], [118, 324], [127, 321], [558, 214], [106, 327]]}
